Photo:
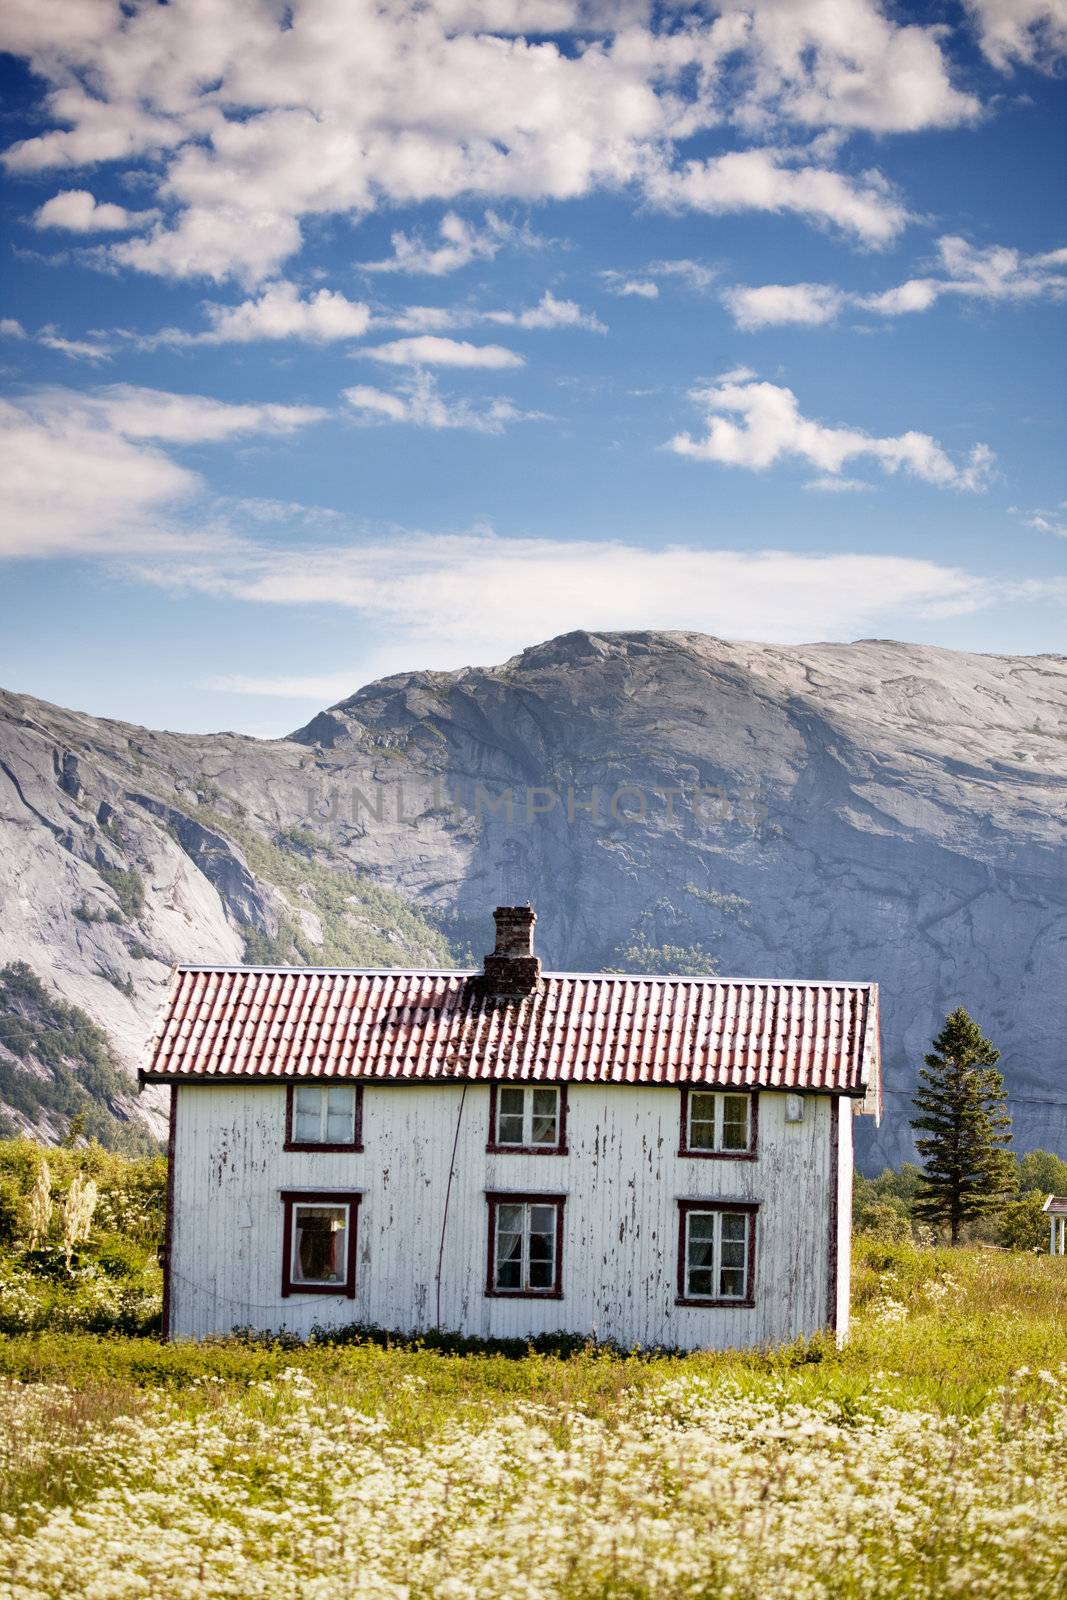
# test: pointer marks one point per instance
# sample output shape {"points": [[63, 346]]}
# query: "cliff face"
{"points": [[872, 810]]}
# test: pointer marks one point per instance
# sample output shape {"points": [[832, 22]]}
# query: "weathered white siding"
{"points": [[845, 1162], [622, 1177]]}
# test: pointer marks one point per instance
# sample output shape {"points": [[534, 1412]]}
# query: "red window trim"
{"points": [[751, 1208], [495, 1198], [719, 1155], [492, 1147], [324, 1083], [320, 1197]]}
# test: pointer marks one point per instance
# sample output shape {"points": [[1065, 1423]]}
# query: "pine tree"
{"points": [[963, 1115]]}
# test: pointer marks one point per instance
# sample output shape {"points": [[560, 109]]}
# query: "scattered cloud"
{"points": [[547, 313], [83, 472], [268, 118], [756, 425], [644, 282], [76, 349], [994, 273], [773, 304], [828, 484], [76, 211], [430, 350], [461, 243], [280, 312], [643, 288], [1043, 521], [772, 180], [11, 328], [419, 403], [448, 600], [1027, 33]]}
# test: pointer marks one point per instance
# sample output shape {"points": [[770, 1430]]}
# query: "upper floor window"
{"points": [[319, 1242], [324, 1116], [529, 1118], [716, 1252], [717, 1124], [525, 1245]]}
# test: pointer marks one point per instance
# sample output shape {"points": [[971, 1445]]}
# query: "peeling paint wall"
{"points": [[622, 1177]]}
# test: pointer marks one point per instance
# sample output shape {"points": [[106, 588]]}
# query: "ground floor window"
{"points": [[319, 1242], [525, 1254], [716, 1252]]}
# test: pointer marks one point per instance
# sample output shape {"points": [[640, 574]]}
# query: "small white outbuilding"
{"points": [[1055, 1208], [652, 1160]]}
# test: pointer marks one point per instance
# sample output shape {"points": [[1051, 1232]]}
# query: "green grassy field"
{"points": [[927, 1458]]}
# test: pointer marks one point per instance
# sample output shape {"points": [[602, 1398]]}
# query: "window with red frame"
{"points": [[716, 1253], [718, 1124], [324, 1116], [319, 1242], [528, 1118], [525, 1245]]}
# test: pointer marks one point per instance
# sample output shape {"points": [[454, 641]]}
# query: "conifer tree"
{"points": [[962, 1117]]}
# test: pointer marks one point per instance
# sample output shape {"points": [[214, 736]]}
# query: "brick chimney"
{"points": [[512, 971]]}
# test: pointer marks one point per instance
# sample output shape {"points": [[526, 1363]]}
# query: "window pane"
{"points": [[341, 1113], [509, 1225], [542, 1246], [307, 1118], [700, 1254], [734, 1241], [509, 1116], [735, 1121], [544, 1121], [701, 1122], [319, 1234]]}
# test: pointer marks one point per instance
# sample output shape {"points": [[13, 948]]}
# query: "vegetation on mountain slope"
{"points": [[56, 1065]]}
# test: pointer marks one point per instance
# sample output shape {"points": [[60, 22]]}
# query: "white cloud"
{"points": [[768, 180], [643, 288], [280, 312], [771, 428], [644, 283], [461, 243], [11, 328], [430, 350], [845, 65], [78, 212], [323, 689], [451, 600], [83, 473], [831, 485], [994, 273], [774, 304], [547, 313], [1030, 33], [72, 485], [138, 413], [252, 118], [1044, 521], [76, 349], [418, 403]]}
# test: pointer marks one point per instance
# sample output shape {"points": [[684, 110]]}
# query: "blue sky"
{"points": [[338, 341]]}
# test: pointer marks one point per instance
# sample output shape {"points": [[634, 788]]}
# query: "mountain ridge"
{"points": [[765, 808]]}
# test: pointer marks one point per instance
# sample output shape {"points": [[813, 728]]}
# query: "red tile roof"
{"points": [[255, 1023]]}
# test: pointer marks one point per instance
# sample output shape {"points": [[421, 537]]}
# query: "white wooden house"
{"points": [[653, 1160]]}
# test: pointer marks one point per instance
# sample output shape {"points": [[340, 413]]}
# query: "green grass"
{"points": [[474, 1436]]}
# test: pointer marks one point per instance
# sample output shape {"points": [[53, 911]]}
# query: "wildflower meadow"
{"points": [[927, 1458]]}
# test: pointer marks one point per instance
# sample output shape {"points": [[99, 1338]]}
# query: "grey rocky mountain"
{"points": [[666, 800]]}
